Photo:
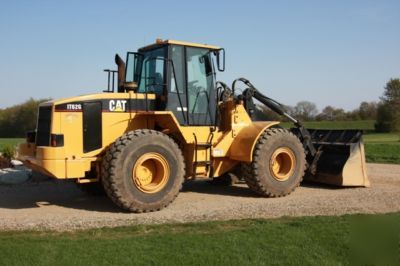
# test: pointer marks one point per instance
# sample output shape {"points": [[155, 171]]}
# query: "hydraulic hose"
{"points": [[277, 107], [270, 103]]}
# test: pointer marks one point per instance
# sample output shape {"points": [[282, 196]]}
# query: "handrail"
{"points": [[208, 106], [113, 72]]}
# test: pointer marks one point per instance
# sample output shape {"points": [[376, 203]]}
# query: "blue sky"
{"points": [[329, 52]]}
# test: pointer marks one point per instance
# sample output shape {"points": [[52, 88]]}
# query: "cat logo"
{"points": [[117, 105]]}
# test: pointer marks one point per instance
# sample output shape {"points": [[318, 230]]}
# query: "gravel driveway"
{"points": [[59, 205]]}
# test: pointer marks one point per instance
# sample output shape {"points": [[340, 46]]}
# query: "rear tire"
{"points": [[143, 171], [278, 165]]}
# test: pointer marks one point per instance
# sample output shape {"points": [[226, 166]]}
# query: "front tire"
{"points": [[278, 165], [143, 171]]}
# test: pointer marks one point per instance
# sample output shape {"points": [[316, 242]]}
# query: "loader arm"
{"points": [[333, 156], [252, 92]]}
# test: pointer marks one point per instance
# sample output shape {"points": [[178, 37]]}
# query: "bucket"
{"points": [[340, 158]]}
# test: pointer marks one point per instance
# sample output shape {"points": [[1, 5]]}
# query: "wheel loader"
{"points": [[168, 119]]}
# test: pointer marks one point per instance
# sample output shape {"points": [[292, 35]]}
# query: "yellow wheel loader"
{"points": [[170, 120]]}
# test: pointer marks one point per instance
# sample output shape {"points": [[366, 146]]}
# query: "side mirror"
{"points": [[221, 59]]}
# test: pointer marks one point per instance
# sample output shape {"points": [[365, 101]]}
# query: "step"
{"points": [[203, 162], [203, 144]]}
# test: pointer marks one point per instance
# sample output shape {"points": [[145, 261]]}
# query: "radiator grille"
{"points": [[43, 126]]}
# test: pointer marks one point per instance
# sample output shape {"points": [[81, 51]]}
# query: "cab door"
{"points": [[177, 100], [191, 90], [200, 82]]}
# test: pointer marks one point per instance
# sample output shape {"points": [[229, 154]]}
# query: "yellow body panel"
{"points": [[75, 168], [232, 141], [243, 146], [190, 44], [99, 96], [72, 128]]}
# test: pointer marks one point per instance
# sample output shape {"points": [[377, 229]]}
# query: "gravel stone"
{"points": [[60, 206]]}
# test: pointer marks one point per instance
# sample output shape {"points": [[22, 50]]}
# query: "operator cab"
{"points": [[181, 74]]}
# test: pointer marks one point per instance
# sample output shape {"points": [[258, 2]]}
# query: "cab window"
{"points": [[200, 79], [152, 78]]}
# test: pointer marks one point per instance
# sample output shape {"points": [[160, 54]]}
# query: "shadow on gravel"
{"points": [[310, 184], [66, 194], [241, 189], [206, 187], [57, 193]]}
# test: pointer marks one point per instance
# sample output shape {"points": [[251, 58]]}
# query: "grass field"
{"points": [[9, 142], [366, 125], [284, 241], [384, 148], [379, 148]]}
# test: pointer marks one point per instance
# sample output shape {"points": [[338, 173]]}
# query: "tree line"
{"points": [[15, 121], [386, 112], [308, 111]]}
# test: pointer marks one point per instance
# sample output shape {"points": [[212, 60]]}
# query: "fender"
{"points": [[243, 146]]}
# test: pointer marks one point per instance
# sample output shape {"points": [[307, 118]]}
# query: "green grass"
{"points": [[379, 147], [284, 241], [382, 148], [382, 138], [10, 142], [366, 125]]}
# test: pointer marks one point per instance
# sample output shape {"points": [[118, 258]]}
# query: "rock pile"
{"points": [[13, 173]]}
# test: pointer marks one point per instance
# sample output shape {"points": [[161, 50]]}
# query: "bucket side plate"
{"points": [[341, 158]]}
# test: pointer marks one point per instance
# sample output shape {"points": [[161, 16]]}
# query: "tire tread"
{"points": [[251, 172], [113, 183]]}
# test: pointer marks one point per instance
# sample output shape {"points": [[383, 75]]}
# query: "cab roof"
{"points": [[160, 42]]}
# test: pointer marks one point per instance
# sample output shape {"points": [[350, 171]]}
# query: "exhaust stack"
{"points": [[121, 72]]}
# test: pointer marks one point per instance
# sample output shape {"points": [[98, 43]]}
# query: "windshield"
{"points": [[133, 67], [147, 69]]}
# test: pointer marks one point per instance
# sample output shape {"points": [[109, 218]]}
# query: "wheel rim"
{"points": [[282, 164], [151, 172]]}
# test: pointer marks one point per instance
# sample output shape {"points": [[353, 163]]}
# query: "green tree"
{"points": [[327, 113], [305, 110], [15, 121], [331, 113], [388, 114], [368, 110], [263, 113]]}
